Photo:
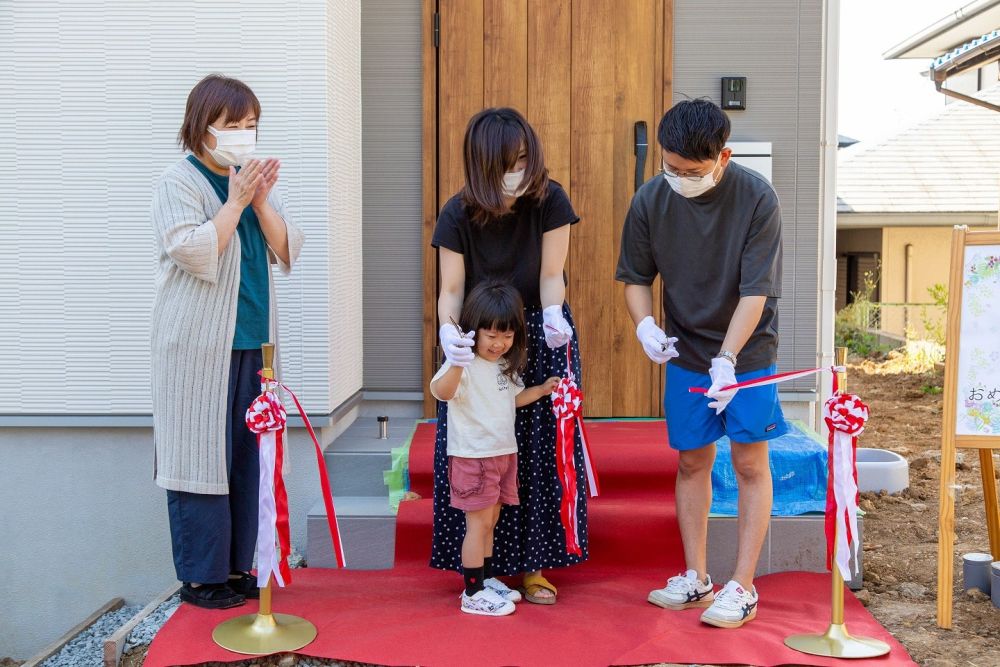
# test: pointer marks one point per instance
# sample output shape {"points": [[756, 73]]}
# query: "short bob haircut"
{"points": [[493, 140], [215, 97], [494, 304], [694, 129]]}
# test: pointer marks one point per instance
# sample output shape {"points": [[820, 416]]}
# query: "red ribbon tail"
{"points": [[324, 480], [593, 483], [567, 477], [281, 508]]}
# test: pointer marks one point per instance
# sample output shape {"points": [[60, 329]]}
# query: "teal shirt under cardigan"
{"points": [[252, 304]]}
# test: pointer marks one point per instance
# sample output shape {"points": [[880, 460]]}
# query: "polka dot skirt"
{"points": [[528, 537]]}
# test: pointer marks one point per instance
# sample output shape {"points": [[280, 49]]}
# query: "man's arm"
{"points": [[744, 322]]}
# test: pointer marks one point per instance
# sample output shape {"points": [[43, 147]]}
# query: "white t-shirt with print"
{"points": [[481, 414]]}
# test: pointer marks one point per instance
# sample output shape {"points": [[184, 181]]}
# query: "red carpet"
{"points": [[409, 615]]}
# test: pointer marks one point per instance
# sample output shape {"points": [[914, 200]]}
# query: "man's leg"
{"points": [[694, 498], [753, 474]]}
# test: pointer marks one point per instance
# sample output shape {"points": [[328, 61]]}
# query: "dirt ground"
{"points": [[900, 532]]}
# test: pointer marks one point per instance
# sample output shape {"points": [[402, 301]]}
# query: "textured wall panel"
{"points": [[343, 44], [391, 94], [777, 45], [93, 94]]}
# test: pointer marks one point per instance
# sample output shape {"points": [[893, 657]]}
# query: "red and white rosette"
{"points": [[567, 404], [845, 416], [267, 418]]}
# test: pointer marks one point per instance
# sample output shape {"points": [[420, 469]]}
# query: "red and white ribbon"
{"points": [[845, 416], [267, 418], [567, 404], [773, 379]]}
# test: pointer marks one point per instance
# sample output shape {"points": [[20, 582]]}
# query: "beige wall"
{"points": [[859, 240], [930, 249]]}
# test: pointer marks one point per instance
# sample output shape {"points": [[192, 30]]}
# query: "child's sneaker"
{"points": [[502, 589], [486, 603], [684, 591], [733, 606]]}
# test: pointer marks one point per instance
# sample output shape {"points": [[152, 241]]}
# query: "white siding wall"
{"points": [[91, 97]]}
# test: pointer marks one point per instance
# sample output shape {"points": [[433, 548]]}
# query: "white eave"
{"points": [[963, 25]]}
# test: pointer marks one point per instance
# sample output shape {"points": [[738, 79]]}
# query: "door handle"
{"points": [[641, 146]]}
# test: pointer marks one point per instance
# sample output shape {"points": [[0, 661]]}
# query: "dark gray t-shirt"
{"points": [[710, 251]]}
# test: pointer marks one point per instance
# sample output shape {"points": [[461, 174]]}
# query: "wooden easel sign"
{"points": [[971, 413]]}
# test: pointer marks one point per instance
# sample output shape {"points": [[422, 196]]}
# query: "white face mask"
{"points": [[512, 184], [232, 147], [687, 186]]}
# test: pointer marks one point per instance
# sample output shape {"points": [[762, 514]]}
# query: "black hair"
{"points": [[694, 129], [496, 305], [493, 140]]}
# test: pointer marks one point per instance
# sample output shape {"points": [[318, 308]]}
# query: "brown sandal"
{"points": [[535, 582]]}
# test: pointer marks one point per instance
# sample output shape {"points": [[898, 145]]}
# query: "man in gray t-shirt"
{"points": [[711, 229]]}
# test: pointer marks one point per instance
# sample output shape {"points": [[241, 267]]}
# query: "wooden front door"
{"points": [[583, 72]]}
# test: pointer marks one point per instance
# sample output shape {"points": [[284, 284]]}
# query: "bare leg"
{"points": [[694, 497], [494, 517], [753, 474], [477, 531]]}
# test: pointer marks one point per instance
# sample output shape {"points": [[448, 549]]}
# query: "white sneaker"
{"points": [[502, 589], [684, 591], [733, 606], [486, 603]]}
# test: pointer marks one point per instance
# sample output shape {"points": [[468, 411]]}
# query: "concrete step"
{"points": [[357, 473], [358, 457], [792, 543], [367, 528]]}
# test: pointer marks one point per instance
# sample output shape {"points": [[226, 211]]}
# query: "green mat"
{"points": [[397, 478]]}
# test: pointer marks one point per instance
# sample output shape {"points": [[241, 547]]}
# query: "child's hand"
{"points": [[550, 385]]}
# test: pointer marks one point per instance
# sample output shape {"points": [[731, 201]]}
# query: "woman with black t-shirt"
{"points": [[510, 222]]}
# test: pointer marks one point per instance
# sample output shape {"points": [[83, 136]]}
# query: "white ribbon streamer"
{"points": [[267, 553]]}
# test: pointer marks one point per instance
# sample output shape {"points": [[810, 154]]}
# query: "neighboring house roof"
{"points": [[948, 163], [970, 21]]}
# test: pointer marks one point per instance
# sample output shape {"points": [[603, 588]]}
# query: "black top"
{"points": [[508, 248], [710, 251]]}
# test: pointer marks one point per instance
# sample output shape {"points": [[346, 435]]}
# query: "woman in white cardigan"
{"points": [[219, 225]]}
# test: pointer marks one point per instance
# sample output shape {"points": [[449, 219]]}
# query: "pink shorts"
{"points": [[477, 484]]}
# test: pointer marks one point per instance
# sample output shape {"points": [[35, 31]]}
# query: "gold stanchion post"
{"points": [[837, 642], [264, 632]]}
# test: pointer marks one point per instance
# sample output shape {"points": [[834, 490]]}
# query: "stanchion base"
{"points": [[258, 634], [837, 643]]}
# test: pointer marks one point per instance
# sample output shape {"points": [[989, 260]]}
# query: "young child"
{"points": [[482, 449]]}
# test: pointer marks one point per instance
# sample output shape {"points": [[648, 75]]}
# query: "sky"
{"points": [[878, 97]]}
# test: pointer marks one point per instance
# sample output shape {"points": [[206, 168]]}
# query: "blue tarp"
{"points": [[798, 472]]}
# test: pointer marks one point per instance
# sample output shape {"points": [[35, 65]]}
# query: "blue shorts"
{"points": [[753, 415]]}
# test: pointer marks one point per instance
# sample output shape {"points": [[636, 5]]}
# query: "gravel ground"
{"points": [[143, 633], [87, 648]]}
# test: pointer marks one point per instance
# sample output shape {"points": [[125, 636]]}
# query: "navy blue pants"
{"points": [[213, 535]]}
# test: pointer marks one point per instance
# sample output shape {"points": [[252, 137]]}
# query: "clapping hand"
{"points": [[268, 177]]}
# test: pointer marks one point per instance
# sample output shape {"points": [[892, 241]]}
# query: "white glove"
{"points": [[723, 374], [457, 345], [557, 330], [655, 343]]}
